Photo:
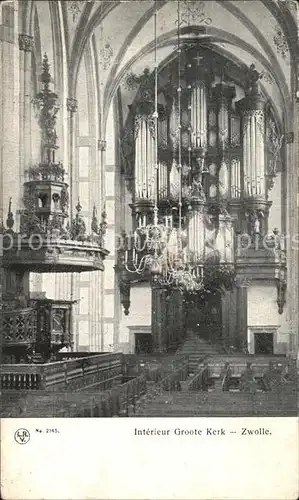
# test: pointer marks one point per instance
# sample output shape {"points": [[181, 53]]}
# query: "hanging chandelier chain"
{"points": [[156, 121], [180, 121]]}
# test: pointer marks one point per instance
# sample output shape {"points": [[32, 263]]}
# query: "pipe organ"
{"points": [[223, 175]]}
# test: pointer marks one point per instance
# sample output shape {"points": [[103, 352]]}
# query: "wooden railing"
{"points": [[226, 378], [21, 377], [137, 364], [119, 400], [114, 402], [65, 356], [74, 374]]}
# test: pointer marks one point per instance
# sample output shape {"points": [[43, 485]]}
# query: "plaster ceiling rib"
{"points": [[66, 30], [213, 35], [110, 87], [287, 21], [81, 37], [57, 48], [97, 81], [240, 17], [248, 24], [291, 29], [26, 9]]}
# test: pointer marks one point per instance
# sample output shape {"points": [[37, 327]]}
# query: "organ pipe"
{"points": [[235, 178], [199, 115], [144, 158], [253, 153], [163, 181], [223, 124]]}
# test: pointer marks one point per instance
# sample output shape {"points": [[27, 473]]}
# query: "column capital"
{"points": [[72, 104], [102, 145], [243, 282], [26, 42]]}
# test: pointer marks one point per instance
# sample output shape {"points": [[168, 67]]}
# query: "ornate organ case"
{"points": [[229, 141], [223, 128]]}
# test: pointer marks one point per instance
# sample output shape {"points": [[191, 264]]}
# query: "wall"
{"points": [[110, 307], [263, 311], [87, 187], [140, 315]]}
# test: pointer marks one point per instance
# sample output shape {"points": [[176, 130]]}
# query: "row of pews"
{"points": [[234, 386], [235, 375]]}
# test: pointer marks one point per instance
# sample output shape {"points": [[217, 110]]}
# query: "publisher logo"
{"points": [[22, 436]]}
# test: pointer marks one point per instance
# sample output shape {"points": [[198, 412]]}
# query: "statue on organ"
{"points": [[254, 222], [252, 77]]}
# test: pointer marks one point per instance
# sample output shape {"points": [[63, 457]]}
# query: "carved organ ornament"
{"points": [[232, 148], [229, 149], [230, 155]]}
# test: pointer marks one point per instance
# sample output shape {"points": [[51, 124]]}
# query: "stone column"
{"points": [[225, 305], [181, 321], [165, 334], [157, 319], [72, 106], [169, 333], [101, 180], [241, 306], [9, 118], [292, 243], [26, 45]]}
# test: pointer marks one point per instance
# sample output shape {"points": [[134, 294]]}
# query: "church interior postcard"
{"points": [[149, 249]]}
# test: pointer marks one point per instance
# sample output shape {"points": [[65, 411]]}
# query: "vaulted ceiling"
{"points": [[260, 32], [245, 31]]}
